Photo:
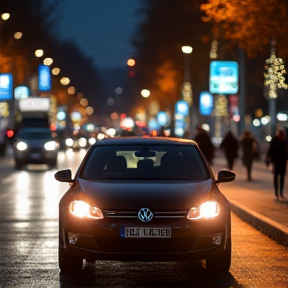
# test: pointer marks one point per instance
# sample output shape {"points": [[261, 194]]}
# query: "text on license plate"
{"points": [[141, 232]]}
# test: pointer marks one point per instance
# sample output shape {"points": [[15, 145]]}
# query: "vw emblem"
{"points": [[145, 214]]}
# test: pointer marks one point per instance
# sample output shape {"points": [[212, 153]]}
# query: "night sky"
{"points": [[101, 28]]}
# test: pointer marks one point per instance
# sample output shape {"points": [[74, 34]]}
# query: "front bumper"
{"points": [[36, 157], [101, 239]]}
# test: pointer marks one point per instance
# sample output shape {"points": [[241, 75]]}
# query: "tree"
{"points": [[250, 25]]}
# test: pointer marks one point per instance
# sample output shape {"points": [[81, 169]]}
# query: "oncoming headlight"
{"points": [[82, 209], [51, 145], [82, 142], [69, 142], [21, 146], [206, 210]]}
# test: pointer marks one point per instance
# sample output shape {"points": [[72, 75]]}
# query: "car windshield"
{"points": [[34, 135], [145, 162]]}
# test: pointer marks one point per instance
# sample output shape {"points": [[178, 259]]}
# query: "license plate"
{"points": [[141, 232]]}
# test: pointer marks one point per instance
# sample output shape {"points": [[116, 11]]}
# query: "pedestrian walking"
{"points": [[277, 154], [230, 147], [249, 151], [205, 144]]}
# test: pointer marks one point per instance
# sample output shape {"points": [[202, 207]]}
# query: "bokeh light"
{"points": [[114, 116], [5, 16], [18, 35], [89, 110], [64, 80], [118, 90], [131, 62], [39, 53], [145, 93], [110, 101], [47, 61], [55, 71], [71, 90], [84, 102]]}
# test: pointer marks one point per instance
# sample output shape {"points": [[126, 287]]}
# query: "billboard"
{"points": [[44, 78], [34, 104], [223, 77], [6, 86]]}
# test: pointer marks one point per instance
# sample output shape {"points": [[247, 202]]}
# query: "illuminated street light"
{"points": [[131, 62], [64, 80], [18, 35], [187, 49], [84, 102], [145, 93], [71, 90], [55, 71], [5, 16], [187, 87], [89, 110], [48, 61], [39, 53]]}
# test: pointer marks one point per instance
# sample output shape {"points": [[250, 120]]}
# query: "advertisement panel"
{"points": [[223, 77], [6, 86], [44, 78]]}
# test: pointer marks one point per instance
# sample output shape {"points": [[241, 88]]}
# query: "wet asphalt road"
{"points": [[29, 240]]}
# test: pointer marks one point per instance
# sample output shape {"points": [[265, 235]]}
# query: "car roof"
{"points": [[144, 140]]}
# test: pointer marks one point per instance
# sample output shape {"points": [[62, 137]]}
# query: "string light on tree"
{"points": [[274, 78]]}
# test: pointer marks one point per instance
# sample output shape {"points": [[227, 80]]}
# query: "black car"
{"points": [[144, 199], [35, 146]]}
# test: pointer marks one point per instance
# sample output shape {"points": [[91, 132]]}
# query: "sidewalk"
{"points": [[254, 201]]}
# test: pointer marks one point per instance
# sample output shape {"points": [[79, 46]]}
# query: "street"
{"points": [[29, 242]]}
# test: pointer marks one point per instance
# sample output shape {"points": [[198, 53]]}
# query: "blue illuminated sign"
{"points": [[44, 78], [162, 118], [182, 108], [6, 86], [21, 92], [223, 77], [206, 103]]}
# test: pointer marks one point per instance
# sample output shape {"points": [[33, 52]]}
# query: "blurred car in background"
{"points": [[35, 146], [78, 140]]}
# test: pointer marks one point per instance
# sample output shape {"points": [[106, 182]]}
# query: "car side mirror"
{"points": [[225, 176], [64, 176]]}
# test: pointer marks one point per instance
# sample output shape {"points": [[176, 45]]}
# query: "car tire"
{"points": [[69, 264], [221, 263]]}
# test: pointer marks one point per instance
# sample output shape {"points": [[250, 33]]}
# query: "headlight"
{"points": [[82, 209], [51, 145], [69, 142], [82, 142], [206, 210], [21, 146], [92, 141]]}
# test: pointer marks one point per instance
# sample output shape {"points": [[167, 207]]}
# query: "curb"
{"points": [[262, 223]]}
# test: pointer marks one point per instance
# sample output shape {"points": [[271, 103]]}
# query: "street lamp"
{"points": [[145, 94], [187, 89]]}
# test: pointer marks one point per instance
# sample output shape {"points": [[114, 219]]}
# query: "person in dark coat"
{"points": [[277, 154], [205, 144], [230, 147], [249, 150]]}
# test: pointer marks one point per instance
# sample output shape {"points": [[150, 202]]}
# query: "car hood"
{"points": [[138, 194]]}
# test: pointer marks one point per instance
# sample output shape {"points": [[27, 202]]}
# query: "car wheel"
{"points": [[69, 264], [221, 263]]}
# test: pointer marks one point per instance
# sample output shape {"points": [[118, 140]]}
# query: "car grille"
{"points": [[134, 214]]}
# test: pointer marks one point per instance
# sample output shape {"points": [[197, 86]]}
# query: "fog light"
{"points": [[72, 238], [217, 239]]}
